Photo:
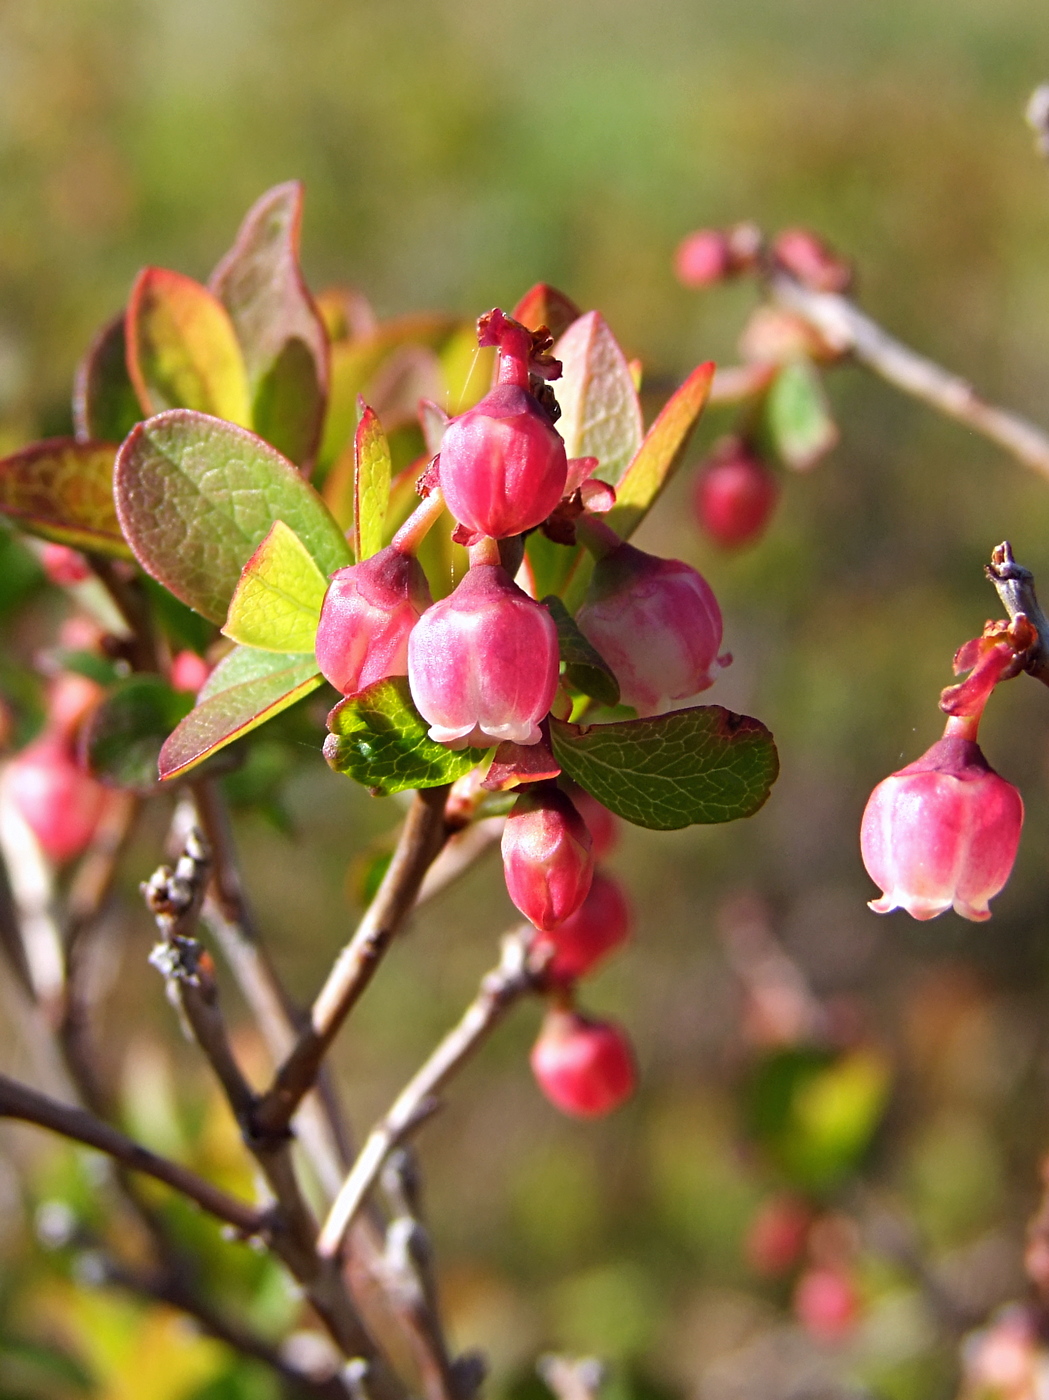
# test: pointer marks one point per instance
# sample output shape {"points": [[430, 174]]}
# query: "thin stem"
{"points": [[849, 331], [500, 989], [422, 519], [20, 1102], [423, 835]]}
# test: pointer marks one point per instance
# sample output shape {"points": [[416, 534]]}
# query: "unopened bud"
{"points": [[734, 495], [546, 856], [584, 1067], [599, 926], [59, 802], [814, 263]]}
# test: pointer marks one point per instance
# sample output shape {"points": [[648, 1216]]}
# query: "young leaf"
{"points": [[62, 490], [372, 471], [196, 497], [600, 410], [797, 415], [105, 405], [585, 668], [277, 603], [245, 689], [124, 734], [685, 768], [281, 334], [661, 452], [181, 348], [543, 305], [379, 739]]}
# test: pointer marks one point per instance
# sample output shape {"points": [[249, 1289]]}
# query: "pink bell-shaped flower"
{"points": [[547, 856], [655, 621], [368, 612], [599, 926], [584, 1067], [502, 465], [483, 662], [943, 831], [58, 801]]}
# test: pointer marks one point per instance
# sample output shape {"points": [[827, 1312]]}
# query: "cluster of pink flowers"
{"points": [[483, 666]]}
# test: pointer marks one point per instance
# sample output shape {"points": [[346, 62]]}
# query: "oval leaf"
{"points": [[277, 323], [372, 471], [689, 767], [659, 456], [196, 496], [543, 305], [798, 417], [122, 739], [278, 600], [105, 405], [182, 351], [245, 689], [62, 490], [600, 410], [380, 739]]}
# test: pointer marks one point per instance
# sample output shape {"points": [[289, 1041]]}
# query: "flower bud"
{"points": [[64, 566], [368, 612], [943, 831], [776, 1236], [584, 1067], [734, 495], [58, 801], [188, 672], [546, 856], [502, 467], [70, 698], [826, 1304], [600, 925], [703, 258], [814, 263], [483, 662], [657, 624]]}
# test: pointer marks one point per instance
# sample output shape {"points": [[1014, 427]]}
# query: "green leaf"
{"points": [[277, 603], [182, 349], [685, 768], [277, 323], [354, 363], [379, 739], [585, 668], [797, 415], [815, 1112], [62, 490], [372, 472], [105, 405], [661, 453], [197, 496], [245, 689], [125, 733], [600, 410]]}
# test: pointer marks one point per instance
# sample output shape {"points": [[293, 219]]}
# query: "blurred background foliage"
{"points": [[454, 152]]}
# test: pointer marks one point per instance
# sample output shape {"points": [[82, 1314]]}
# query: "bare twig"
{"points": [[500, 989], [1038, 118], [848, 330], [422, 836], [1015, 587], [21, 1102]]}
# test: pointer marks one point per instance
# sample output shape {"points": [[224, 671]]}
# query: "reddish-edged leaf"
{"points": [[600, 410], [181, 348], [543, 305], [196, 496], [371, 485], [245, 689], [62, 490], [278, 325], [105, 405], [661, 452]]}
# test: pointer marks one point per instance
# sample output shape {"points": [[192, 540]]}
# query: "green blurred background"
{"points": [[455, 152]]}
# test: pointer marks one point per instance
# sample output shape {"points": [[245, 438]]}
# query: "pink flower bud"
{"points": [[368, 612], [703, 258], [546, 856], [826, 1304], [734, 496], [657, 624], [483, 662], [58, 801], [63, 565], [503, 467], [584, 1067], [776, 1237], [814, 263], [600, 925], [943, 831], [70, 698], [188, 672]]}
